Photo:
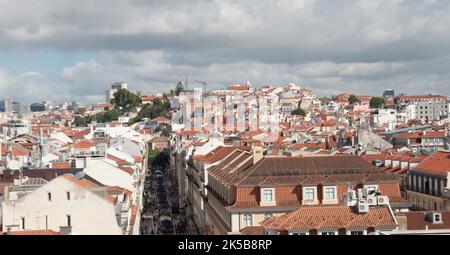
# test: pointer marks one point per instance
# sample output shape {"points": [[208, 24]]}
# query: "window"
{"points": [[328, 233], [268, 195], [68, 195], [23, 223], [69, 221], [437, 217], [267, 216], [49, 194], [357, 232], [330, 193], [309, 194], [248, 220]]}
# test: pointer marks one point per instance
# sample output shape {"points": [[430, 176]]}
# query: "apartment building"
{"points": [[428, 185], [66, 202], [422, 141], [247, 188], [428, 107]]}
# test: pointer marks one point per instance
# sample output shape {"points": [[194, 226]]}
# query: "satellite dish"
{"points": [[80, 175]]}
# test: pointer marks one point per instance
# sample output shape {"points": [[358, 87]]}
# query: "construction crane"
{"points": [[204, 85]]}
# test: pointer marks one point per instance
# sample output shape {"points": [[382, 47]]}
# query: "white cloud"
{"points": [[154, 73], [29, 87], [359, 45]]}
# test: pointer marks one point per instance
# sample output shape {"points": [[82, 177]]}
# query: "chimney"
{"points": [[257, 153], [402, 221]]}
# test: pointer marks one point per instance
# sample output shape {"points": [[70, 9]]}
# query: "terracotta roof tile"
{"points": [[418, 221], [84, 144], [81, 182], [34, 233], [437, 163], [334, 217]]}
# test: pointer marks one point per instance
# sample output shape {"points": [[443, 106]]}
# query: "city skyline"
{"points": [[74, 51]]}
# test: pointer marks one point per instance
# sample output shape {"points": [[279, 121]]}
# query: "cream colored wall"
{"points": [[426, 201], [90, 213], [257, 218]]}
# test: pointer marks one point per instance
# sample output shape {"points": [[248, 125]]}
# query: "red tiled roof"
{"points": [[79, 135], [187, 132], [253, 231], [111, 199], [332, 217], [17, 150], [147, 98], [116, 190], [220, 153], [437, 163], [418, 221], [238, 87], [119, 161], [103, 105], [422, 97], [428, 134], [61, 165], [34, 233], [81, 182], [84, 145], [160, 119], [133, 214]]}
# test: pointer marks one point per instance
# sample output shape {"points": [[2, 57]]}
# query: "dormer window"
{"points": [[330, 193], [309, 194], [434, 217], [437, 218], [267, 195]]}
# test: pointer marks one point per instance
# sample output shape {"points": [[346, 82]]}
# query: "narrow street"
{"points": [[161, 214]]}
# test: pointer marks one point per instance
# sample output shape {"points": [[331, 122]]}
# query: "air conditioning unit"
{"points": [[363, 207], [372, 200], [383, 200]]}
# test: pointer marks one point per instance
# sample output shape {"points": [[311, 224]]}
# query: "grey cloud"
{"points": [[329, 45]]}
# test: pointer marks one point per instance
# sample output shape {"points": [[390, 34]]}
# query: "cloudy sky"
{"points": [[66, 49]]}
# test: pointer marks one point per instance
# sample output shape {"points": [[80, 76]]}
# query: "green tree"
{"points": [[353, 99], [79, 121], [325, 100], [125, 101], [108, 116], [179, 88], [376, 102], [299, 111], [159, 158], [158, 129], [81, 111]]}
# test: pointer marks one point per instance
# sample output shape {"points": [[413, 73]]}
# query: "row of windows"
{"points": [[309, 194], [49, 196], [248, 218], [68, 217], [442, 107]]}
